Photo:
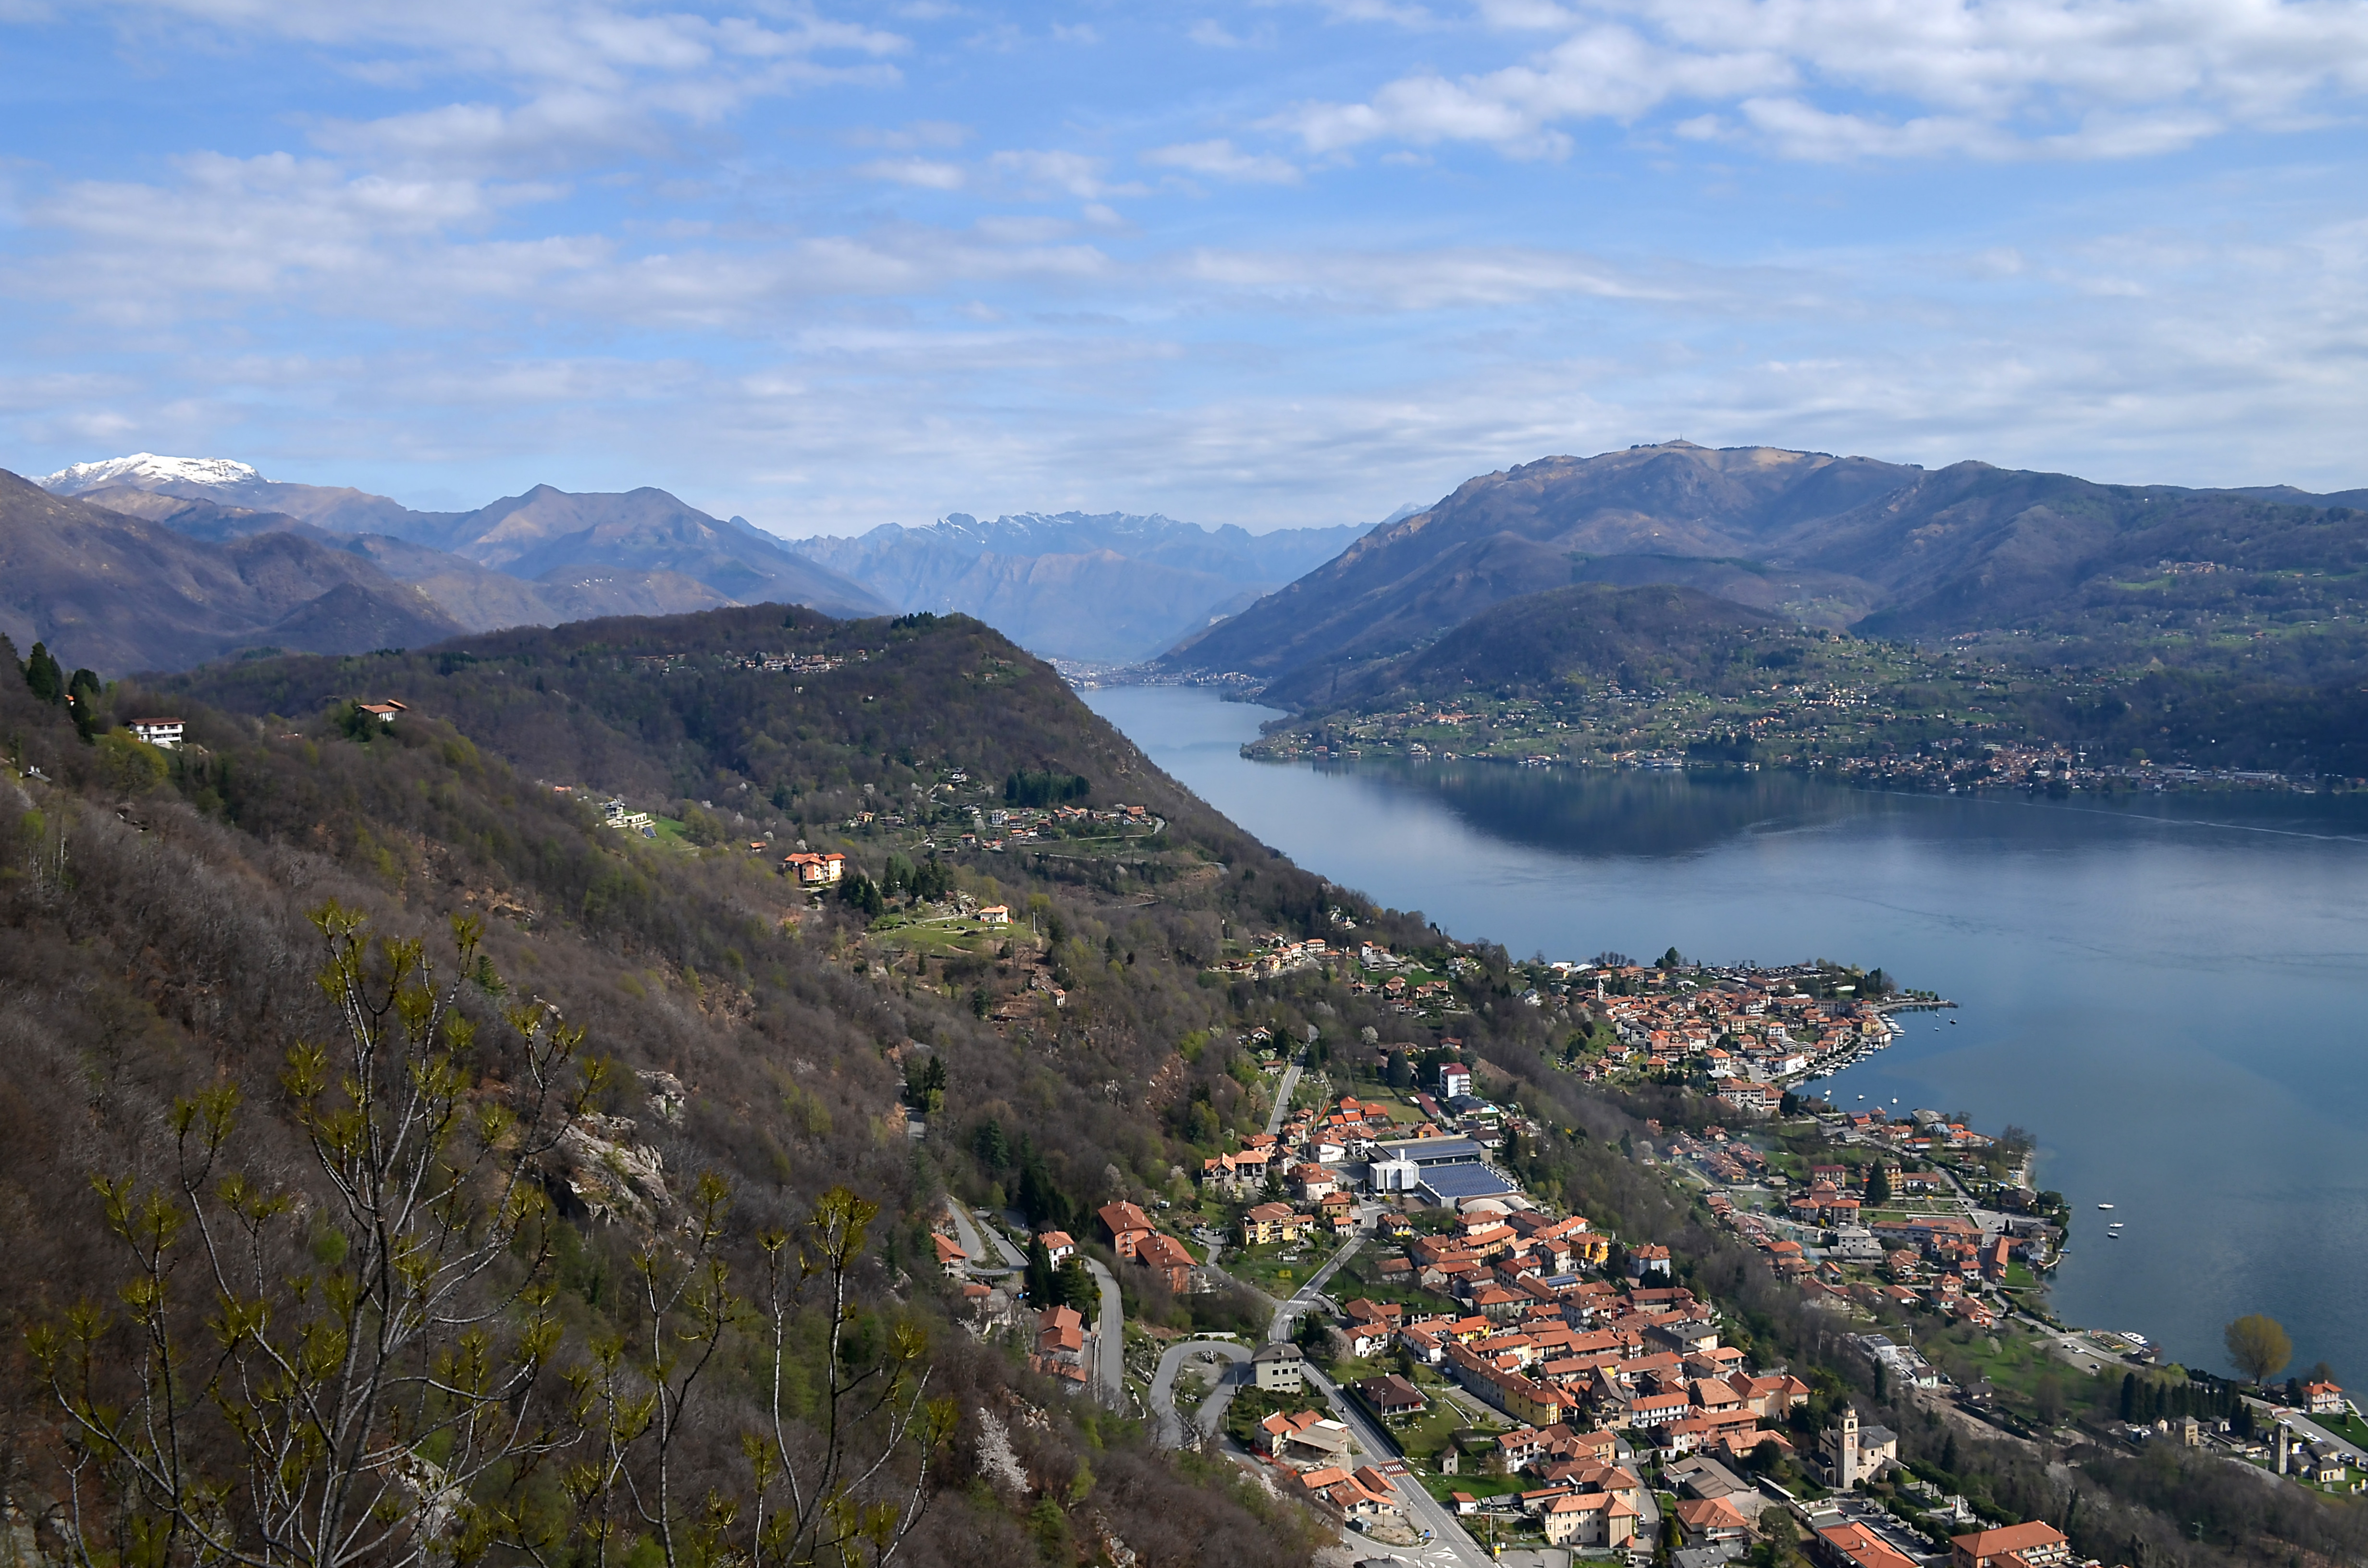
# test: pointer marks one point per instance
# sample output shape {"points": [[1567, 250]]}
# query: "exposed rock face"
{"points": [[612, 1178]]}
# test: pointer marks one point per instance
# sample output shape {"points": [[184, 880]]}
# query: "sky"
{"points": [[1279, 264]]}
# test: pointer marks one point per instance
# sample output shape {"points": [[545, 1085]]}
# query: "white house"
{"points": [[164, 733]]}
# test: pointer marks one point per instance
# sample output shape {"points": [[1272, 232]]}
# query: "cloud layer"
{"points": [[1275, 265]]}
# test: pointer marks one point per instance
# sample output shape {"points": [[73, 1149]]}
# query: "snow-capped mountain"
{"points": [[144, 470]]}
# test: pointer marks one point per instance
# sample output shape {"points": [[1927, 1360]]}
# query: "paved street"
{"points": [[1167, 1424], [1109, 1342], [1282, 1092], [2303, 1424], [1450, 1543], [984, 1244]]}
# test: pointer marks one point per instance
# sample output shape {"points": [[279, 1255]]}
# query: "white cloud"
{"points": [[1221, 159], [1209, 33], [1041, 174], [1987, 78], [924, 173]]}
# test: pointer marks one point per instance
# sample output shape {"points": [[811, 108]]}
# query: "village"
{"points": [[1453, 1368]]}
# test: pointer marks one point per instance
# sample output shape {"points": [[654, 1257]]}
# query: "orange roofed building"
{"points": [[2037, 1544]]}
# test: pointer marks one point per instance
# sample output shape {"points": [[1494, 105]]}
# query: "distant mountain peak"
{"points": [[152, 467]]}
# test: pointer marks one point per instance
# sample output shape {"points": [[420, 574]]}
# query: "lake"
{"points": [[2166, 992]]}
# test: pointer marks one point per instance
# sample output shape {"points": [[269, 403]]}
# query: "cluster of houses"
{"points": [[1313, 1455], [1752, 1028], [1137, 1241], [1586, 1353], [1943, 1261], [1002, 826]]}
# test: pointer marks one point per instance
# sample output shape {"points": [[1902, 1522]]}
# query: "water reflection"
{"points": [[2166, 990]]}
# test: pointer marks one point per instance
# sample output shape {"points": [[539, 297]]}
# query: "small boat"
{"points": [[2115, 1235], [2105, 1205], [2114, 1226]]}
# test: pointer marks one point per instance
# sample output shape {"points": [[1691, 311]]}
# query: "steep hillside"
{"points": [[1110, 587], [1590, 633], [2104, 572], [751, 1034], [118, 594]]}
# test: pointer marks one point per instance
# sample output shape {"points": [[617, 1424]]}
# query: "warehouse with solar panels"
{"points": [[1445, 1170]]}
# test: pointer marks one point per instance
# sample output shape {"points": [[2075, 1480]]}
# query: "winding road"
{"points": [[1110, 1327], [1167, 1424]]}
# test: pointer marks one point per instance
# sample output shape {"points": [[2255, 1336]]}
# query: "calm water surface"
{"points": [[2168, 994]]}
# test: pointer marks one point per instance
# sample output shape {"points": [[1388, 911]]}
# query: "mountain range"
{"points": [[1109, 588], [160, 562], [2101, 573]]}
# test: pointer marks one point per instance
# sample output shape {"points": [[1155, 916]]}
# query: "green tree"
{"points": [[924, 1085], [991, 1144], [1042, 1286], [83, 692], [1878, 1186], [1075, 1285], [2259, 1346], [42, 673]]}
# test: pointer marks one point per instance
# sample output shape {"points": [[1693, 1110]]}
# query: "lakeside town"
{"points": [[1454, 1364], [1456, 1367]]}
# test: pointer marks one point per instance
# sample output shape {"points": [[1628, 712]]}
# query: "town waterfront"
{"points": [[2166, 991]]}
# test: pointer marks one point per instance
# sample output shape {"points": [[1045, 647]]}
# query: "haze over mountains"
{"points": [[1114, 587], [1110, 587], [2105, 573]]}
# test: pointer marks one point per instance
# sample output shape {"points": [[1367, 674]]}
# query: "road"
{"points": [[1278, 1326], [1168, 1426], [1282, 1089], [977, 1241], [1110, 1327], [2303, 1424], [1450, 1543], [1109, 1342]]}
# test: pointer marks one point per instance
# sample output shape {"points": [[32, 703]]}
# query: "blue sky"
{"points": [[1272, 264]]}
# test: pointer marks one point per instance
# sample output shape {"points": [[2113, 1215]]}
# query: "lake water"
{"points": [[2168, 994]]}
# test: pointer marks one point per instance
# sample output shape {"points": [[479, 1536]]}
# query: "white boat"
{"points": [[2106, 1206], [2113, 1236], [2114, 1226]]}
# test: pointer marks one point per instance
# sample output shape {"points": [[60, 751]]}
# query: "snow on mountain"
{"points": [[149, 468]]}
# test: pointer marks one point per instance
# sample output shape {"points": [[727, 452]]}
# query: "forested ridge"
{"points": [[677, 1095]]}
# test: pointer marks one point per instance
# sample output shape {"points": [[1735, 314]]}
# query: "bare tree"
{"points": [[367, 1410], [401, 1402]]}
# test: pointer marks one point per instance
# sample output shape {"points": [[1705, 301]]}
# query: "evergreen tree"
{"points": [[42, 673], [991, 1144], [1878, 1186], [1041, 1285], [82, 697]]}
